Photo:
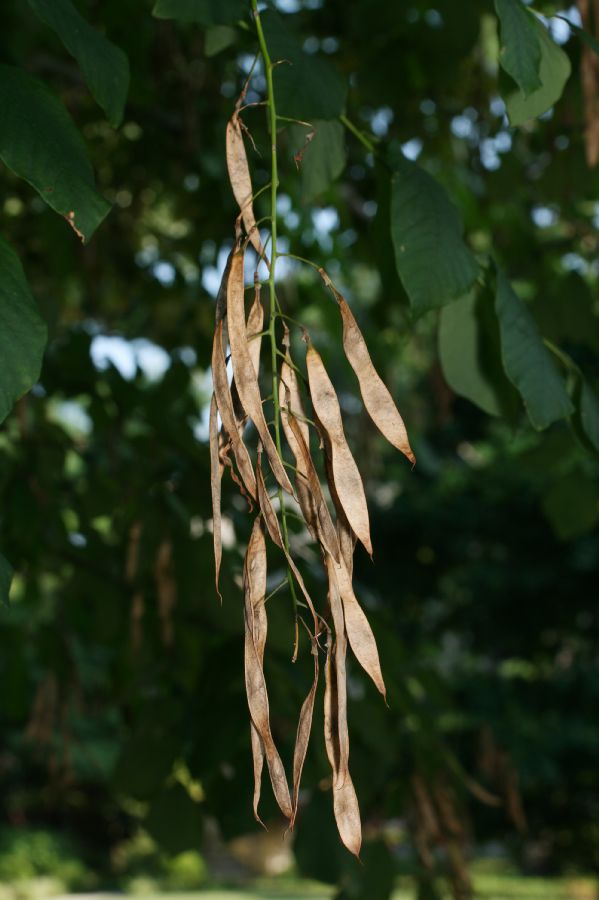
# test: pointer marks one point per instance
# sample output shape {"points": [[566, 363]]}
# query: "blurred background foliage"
{"points": [[124, 721]]}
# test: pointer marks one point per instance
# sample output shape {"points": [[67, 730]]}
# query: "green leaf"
{"points": [[323, 158], [104, 66], [470, 354], [6, 576], [202, 12], [306, 86], [520, 54], [433, 262], [39, 142], [218, 37], [527, 361], [572, 505], [22, 332], [589, 413], [554, 72]]}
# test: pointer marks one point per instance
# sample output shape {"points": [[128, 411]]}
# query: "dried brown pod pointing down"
{"points": [[254, 582], [346, 475], [224, 401], [241, 182], [345, 801], [375, 394], [243, 368], [216, 474]]}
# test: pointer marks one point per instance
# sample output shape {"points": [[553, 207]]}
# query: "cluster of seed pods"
{"points": [[309, 414]]}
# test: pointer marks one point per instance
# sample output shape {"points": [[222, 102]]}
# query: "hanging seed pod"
{"points": [[377, 399], [241, 182], [254, 578], [243, 368], [346, 475]]}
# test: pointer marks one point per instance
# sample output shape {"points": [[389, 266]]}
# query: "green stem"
{"points": [[365, 141], [274, 184]]}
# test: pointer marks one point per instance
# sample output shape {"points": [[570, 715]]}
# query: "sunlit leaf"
{"points": [[39, 142], [22, 332], [527, 361], [470, 354], [520, 54], [554, 72], [433, 262], [105, 67]]}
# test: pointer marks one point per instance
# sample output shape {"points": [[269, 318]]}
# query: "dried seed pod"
{"points": [[291, 402], [254, 576], [346, 475], [377, 400], [345, 801], [216, 474], [241, 182], [304, 729], [243, 368], [274, 530], [222, 393], [253, 329]]}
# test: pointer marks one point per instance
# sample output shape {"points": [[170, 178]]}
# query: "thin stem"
{"points": [[365, 141], [274, 184]]}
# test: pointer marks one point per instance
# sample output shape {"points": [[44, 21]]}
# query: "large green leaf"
{"points": [[22, 332], [104, 66], [589, 413], [554, 72], [323, 158], [307, 87], [572, 505], [39, 142], [433, 262], [527, 361], [6, 576], [520, 54], [202, 12], [470, 354]]}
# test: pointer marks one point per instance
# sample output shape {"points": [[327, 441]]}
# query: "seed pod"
{"points": [[254, 576], [216, 474], [345, 801], [243, 368], [346, 475], [241, 182], [377, 399], [253, 329], [304, 729], [222, 393], [274, 530]]}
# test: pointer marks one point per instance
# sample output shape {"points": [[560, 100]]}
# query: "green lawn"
{"points": [[489, 887]]}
